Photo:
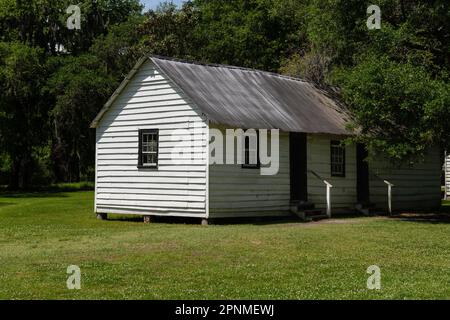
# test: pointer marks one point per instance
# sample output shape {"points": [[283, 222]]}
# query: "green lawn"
{"points": [[42, 234]]}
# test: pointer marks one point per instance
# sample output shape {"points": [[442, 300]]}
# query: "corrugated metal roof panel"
{"points": [[244, 98]]}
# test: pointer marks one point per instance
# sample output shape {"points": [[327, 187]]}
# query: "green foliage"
{"points": [[169, 31], [80, 87], [22, 122], [42, 23], [5, 169], [395, 105], [250, 33], [54, 80], [394, 80], [118, 50]]}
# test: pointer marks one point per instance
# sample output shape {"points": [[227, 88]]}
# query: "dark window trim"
{"points": [[258, 163], [140, 164], [339, 144]]}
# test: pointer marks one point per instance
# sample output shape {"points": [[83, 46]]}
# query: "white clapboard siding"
{"points": [[178, 187], [343, 193], [241, 192], [415, 187]]}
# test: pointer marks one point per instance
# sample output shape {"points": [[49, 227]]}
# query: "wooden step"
{"points": [[364, 208], [304, 206], [315, 214], [317, 217]]}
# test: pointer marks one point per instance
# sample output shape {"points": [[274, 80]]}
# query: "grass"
{"points": [[41, 234], [56, 187]]}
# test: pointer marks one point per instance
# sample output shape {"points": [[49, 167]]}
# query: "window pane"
{"points": [[149, 148], [251, 149], [253, 159], [337, 159]]}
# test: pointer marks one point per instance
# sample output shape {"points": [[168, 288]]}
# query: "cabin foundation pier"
{"points": [[147, 219], [102, 216], [205, 222]]}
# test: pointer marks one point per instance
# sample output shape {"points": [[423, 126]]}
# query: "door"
{"points": [[298, 166], [362, 175]]}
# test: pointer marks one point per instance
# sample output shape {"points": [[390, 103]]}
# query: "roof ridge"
{"points": [[218, 65]]}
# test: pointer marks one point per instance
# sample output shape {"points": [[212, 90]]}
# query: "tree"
{"points": [[249, 33], [80, 87], [395, 106], [57, 89], [42, 23], [22, 115], [169, 31], [394, 80], [119, 50]]}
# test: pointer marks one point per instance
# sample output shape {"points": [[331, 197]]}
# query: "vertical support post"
{"points": [[102, 216], [390, 198], [389, 185], [446, 164], [147, 219], [329, 186]]}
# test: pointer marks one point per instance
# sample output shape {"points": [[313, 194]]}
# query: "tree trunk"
{"points": [[14, 181]]}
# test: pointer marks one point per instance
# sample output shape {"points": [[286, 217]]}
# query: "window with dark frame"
{"points": [[251, 152], [148, 148], [337, 152]]}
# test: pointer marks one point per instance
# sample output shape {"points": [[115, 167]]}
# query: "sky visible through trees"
{"points": [[152, 4]]}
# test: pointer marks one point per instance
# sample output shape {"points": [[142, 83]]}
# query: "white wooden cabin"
{"points": [[164, 105]]}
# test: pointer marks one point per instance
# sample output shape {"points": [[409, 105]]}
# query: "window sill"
{"points": [[251, 166], [153, 168]]}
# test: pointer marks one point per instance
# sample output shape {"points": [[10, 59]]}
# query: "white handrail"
{"points": [[389, 185], [329, 186]]}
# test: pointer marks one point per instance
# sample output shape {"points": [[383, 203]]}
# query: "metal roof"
{"points": [[246, 98]]}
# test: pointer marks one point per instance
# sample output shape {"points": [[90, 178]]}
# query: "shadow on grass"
{"points": [[125, 218], [258, 221], [432, 218], [27, 195], [197, 221], [5, 204], [51, 191], [440, 216]]}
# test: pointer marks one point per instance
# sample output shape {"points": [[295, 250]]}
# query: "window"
{"points": [[251, 150], [148, 148], [337, 159]]}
